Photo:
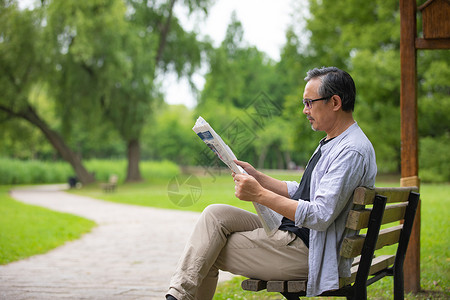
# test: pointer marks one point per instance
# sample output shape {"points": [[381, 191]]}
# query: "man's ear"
{"points": [[337, 102]]}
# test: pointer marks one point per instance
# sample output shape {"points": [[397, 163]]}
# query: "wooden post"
{"points": [[409, 133]]}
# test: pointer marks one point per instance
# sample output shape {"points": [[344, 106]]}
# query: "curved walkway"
{"points": [[131, 254]]}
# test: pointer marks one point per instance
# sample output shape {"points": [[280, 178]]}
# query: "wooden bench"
{"points": [[111, 185], [370, 212]]}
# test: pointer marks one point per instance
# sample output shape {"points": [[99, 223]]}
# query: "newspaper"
{"points": [[270, 219]]}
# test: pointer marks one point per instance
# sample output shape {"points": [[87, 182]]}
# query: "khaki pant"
{"points": [[233, 240]]}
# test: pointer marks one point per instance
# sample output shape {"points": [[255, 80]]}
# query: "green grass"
{"points": [[214, 189], [435, 256], [27, 230]]}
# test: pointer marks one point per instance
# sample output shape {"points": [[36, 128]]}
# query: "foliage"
{"points": [[364, 39], [18, 44], [95, 63], [14, 171], [27, 230], [102, 101], [243, 107], [434, 159], [171, 136]]}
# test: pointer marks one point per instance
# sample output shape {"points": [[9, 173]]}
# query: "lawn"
{"points": [[435, 256], [17, 240], [27, 230], [213, 188]]}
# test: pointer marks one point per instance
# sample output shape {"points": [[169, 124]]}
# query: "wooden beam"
{"points": [[409, 132], [408, 89], [432, 43]]}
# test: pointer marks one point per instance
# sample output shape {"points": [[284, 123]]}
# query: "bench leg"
{"points": [[291, 296], [398, 286]]}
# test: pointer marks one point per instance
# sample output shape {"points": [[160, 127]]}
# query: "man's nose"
{"points": [[305, 110]]}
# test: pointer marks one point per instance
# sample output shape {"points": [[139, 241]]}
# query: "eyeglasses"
{"points": [[308, 102]]}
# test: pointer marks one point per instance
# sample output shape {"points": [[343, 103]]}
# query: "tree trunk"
{"points": [[262, 157], [280, 160], [134, 156], [287, 159], [57, 142], [164, 33]]}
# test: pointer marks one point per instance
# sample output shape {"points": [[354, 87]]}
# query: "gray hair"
{"points": [[335, 81]]}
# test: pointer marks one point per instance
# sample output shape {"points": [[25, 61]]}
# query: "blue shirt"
{"points": [[348, 161]]}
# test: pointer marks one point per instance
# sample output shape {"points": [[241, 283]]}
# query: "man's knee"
{"points": [[215, 209], [216, 213]]}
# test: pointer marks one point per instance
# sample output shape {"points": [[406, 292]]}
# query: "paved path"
{"points": [[131, 254]]}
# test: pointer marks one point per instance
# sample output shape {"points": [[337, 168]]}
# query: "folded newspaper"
{"points": [[270, 219]]}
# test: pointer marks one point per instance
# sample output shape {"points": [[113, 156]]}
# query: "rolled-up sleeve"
{"points": [[292, 187]]}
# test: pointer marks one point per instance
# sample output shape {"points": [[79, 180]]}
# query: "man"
{"points": [[308, 241]]}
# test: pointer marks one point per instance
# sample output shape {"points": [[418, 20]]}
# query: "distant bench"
{"points": [[362, 246], [111, 185]]}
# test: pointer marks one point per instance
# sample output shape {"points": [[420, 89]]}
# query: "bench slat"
{"points": [[396, 194], [254, 285], [378, 263], [365, 196], [359, 219], [295, 286], [277, 286], [356, 260], [352, 246]]}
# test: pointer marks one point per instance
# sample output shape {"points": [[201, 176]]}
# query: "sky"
{"points": [[264, 23]]}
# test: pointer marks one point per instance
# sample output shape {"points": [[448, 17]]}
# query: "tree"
{"points": [[364, 38], [21, 60], [291, 69], [242, 97], [171, 128], [98, 62], [146, 41], [158, 44]]}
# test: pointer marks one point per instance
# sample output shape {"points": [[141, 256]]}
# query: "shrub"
{"points": [[14, 171], [434, 159]]}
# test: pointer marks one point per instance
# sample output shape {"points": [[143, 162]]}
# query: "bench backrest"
{"points": [[369, 213], [393, 204], [113, 178]]}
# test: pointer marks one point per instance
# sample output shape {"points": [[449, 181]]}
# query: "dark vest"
{"points": [[303, 192]]}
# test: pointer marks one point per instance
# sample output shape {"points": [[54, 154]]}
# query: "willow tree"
{"points": [[97, 61], [158, 44], [113, 52], [22, 63]]}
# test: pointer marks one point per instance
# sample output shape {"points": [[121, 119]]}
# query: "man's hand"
{"points": [[247, 187], [266, 182], [247, 168]]}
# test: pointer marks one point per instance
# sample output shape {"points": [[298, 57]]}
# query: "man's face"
{"points": [[320, 114]]}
